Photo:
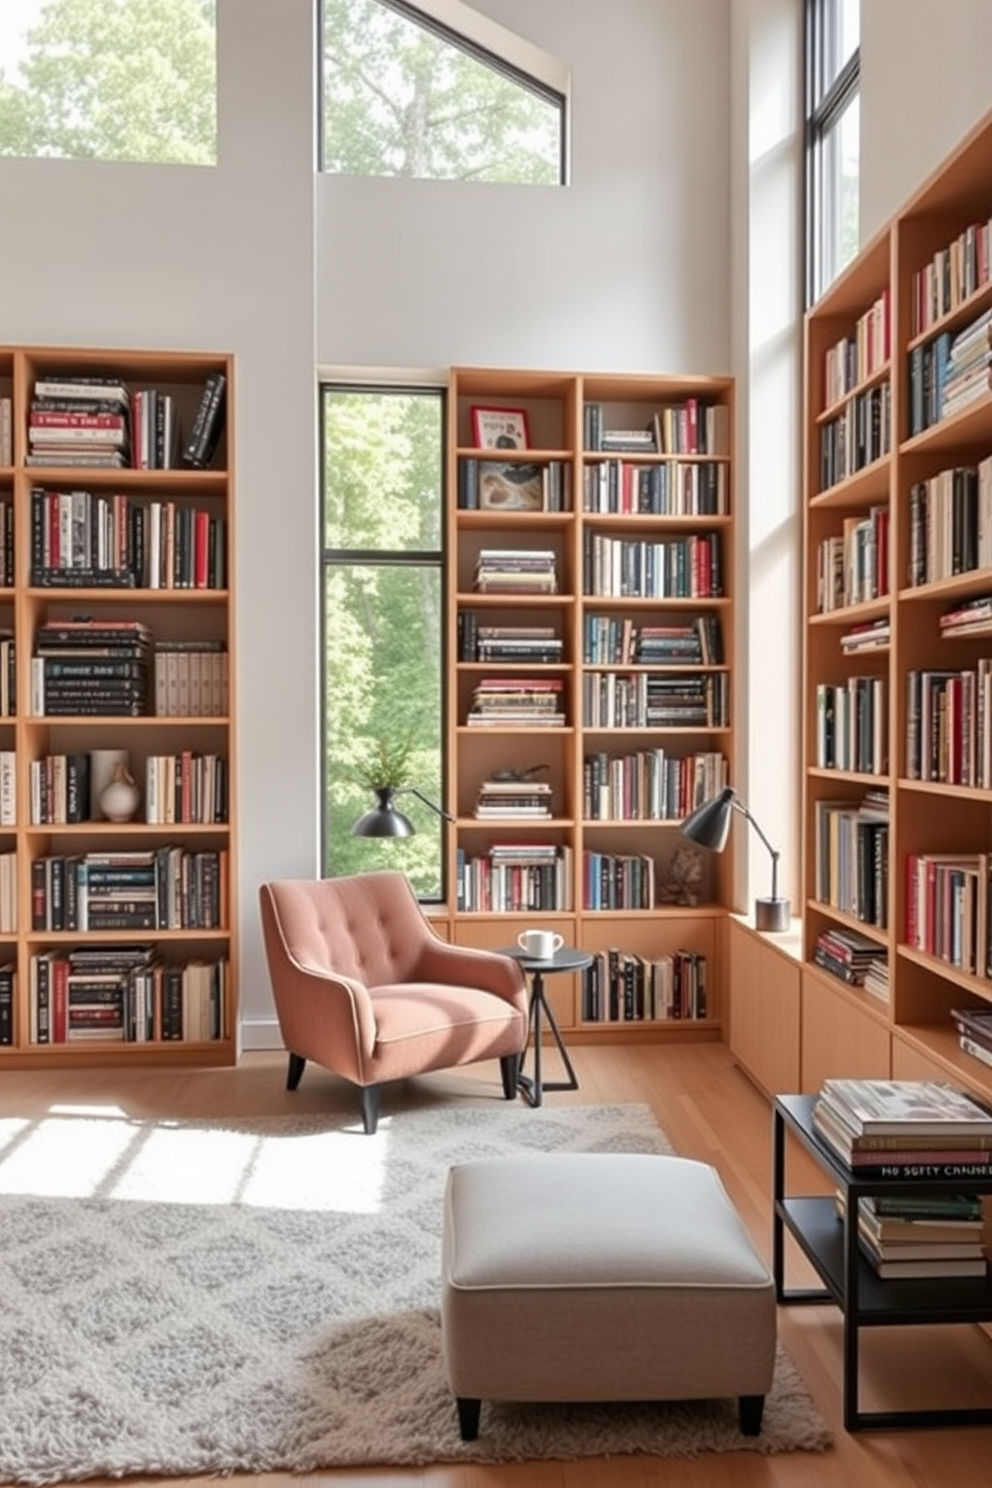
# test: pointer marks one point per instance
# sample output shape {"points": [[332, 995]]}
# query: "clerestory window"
{"points": [[405, 94]]}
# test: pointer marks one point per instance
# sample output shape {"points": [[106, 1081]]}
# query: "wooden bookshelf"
{"points": [[185, 596], [639, 539], [923, 495]]}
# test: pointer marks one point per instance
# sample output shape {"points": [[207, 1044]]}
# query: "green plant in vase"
{"points": [[386, 766]]}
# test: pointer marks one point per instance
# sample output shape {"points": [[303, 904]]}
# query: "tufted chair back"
{"points": [[368, 928]]}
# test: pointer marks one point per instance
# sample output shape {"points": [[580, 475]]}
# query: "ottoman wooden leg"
{"points": [[751, 1410], [468, 1417]]}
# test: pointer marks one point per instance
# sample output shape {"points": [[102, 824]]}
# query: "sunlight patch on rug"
{"points": [[180, 1298]]}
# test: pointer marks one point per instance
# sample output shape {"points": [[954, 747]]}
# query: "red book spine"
{"points": [[201, 549], [47, 420], [60, 1001]]}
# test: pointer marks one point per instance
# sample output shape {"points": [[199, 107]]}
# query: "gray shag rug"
{"points": [[178, 1298]]}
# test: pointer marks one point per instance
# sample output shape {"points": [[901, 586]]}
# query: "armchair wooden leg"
{"points": [[371, 1103], [509, 1068], [297, 1064]]}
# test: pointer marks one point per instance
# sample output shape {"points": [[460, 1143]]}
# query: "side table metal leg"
{"points": [[852, 1315], [778, 1193], [572, 1082], [537, 1094]]}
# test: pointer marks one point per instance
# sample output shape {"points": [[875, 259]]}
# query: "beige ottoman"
{"points": [[601, 1276]]}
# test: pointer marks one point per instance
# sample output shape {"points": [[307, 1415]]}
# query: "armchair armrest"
{"points": [[315, 1004], [470, 967]]}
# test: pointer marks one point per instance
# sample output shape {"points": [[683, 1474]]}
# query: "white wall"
{"points": [[767, 299], [925, 80], [627, 268]]}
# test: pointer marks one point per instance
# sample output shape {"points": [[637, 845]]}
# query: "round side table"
{"points": [[565, 959]]}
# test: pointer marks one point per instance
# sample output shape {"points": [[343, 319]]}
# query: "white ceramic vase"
{"points": [[119, 800]]}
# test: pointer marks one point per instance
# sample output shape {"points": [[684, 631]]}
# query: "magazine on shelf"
{"points": [[913, 1107]]}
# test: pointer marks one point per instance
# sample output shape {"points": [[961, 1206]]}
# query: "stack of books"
{"points": [[516, 571], [869, 635], [526, 644], [98, 666], [877, 977], [911, 1237], [517, 702], [969, 617], [974, 1026], [847, 955], [527, 799], [968, 373], [80, 421], [698, 640], [903, 1129]]}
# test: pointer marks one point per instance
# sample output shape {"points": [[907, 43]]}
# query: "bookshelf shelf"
{"points": [[929, 265], [593, 483], [157, 536]]}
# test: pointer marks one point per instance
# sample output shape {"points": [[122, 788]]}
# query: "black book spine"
{"points": [[6, 1008]]}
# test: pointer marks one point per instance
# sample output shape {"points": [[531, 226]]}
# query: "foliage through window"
{"points": [[109, 80], [833, 138], [383, 630], [405, 96]]}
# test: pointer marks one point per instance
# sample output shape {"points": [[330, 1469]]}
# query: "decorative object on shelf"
{"points": [[119, 799], [508, 487], [683, 879], [709, 825], [103, 767], [384, 820], [500, 428], [506, 775]]}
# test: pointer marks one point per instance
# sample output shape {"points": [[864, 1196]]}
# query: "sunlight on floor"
{"points": [[73, 1153]]}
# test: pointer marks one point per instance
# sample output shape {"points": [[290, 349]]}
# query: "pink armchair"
{"points": [[365, 987]]}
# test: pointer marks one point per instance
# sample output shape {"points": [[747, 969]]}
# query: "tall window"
{"points": [[383, 592], [833, 67], [404, 95], [109, 80]]}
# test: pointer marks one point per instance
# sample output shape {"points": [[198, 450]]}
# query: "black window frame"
{"points": [[825, 104], [385, 558]]}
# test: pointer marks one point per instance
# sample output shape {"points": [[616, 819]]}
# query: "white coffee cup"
{"points": [[541, 944]]}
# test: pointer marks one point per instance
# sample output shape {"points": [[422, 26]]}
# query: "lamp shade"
{"points": [[709, 824], [383, 820]]}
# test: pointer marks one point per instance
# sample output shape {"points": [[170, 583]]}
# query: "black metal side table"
{"points": [[848, 1280], [565, 959]]}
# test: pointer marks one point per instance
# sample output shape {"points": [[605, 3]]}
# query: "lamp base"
{"points": [[772, 914]]}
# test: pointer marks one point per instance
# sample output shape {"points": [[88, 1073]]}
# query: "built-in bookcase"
{"points": [[591, 639], [898, 639], [141, 560]]}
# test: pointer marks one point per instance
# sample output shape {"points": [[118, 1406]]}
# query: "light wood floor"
{"points": [[710, 1111]]}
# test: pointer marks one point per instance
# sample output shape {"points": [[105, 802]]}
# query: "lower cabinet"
{"points": [[764, 991], [841, 1037]]}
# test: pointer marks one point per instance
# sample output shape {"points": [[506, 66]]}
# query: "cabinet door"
{"points": [[764, 1011], [839, 1039]]}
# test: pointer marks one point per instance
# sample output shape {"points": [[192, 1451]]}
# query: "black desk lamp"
{"points": [[709, 825], [385, 821]]}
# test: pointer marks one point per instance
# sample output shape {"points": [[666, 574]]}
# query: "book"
{"points": [[73, 389], [828, 1123], [207, 422], [920, 1270], [890, 1107]]}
